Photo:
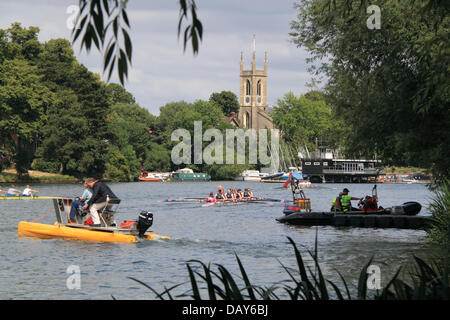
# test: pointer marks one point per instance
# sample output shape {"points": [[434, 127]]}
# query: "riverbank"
{"points": [[34, 176]]}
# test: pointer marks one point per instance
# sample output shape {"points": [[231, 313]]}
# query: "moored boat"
{"points": [[188, 174], [153, 176], [249, 175]]}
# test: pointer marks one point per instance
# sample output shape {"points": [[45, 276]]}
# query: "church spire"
{"points": [[254, 54]]}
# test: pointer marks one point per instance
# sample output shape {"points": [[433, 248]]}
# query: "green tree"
{"points": [[23, 101], [121, 165], [303, 119], [75, 134], [389, 85], [118, 94], [227, 100]]}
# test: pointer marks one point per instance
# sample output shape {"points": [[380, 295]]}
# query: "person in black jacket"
{"points": [[100, 192]]}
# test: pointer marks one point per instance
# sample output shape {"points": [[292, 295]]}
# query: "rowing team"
{"points": [[230, 195], [13, 192]]}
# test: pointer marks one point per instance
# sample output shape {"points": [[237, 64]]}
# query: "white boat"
{"points": [[154, 176], [249, 175]]}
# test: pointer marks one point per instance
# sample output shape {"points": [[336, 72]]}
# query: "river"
{"points": [[37, 269]]}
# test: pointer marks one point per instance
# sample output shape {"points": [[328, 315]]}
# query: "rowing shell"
{"points": [[30, 198], [228, 202]]}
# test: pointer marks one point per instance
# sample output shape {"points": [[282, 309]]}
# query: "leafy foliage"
{"points": [[307, 117], [105, 24], [389, 85], [227, 100]]}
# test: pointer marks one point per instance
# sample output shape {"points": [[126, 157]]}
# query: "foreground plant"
{"points": [[424, 281], [440, 209]]}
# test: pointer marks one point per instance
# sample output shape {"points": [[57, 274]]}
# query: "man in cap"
{"points": [[346, 201]]}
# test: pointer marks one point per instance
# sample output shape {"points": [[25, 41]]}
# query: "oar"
{"points": [[268, 199], [185, 200]]}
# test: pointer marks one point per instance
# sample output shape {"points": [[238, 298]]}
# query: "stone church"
{"points": [[254, 109]]}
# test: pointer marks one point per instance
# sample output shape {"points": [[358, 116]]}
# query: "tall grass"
{"points": [[440, 208], [423, 282]]}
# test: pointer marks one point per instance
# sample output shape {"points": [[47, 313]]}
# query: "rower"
{"points": [[27, 192], [13, 192], [237, 194], [229, 195], [220, 196], [247, 194], [211, 197]]}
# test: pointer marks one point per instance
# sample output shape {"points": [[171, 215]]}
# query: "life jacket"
{"points": [[370, 204], [346, 202], [333, 204]]}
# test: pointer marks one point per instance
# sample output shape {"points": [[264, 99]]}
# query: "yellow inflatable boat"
{"points": [[80, 232], [131, 231]]}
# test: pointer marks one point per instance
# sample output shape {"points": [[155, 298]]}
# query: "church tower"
{"points": [[253, 112]]}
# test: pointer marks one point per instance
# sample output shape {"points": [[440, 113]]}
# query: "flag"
{"points": [[288, 181]]}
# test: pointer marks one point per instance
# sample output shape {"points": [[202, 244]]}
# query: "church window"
{"points": [[258, 88], [246, 120], [248, 90]]}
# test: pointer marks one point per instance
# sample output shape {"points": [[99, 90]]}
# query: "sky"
{"points": [[162, 71]]}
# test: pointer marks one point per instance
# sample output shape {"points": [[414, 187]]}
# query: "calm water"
{"points": [[36, 269]]}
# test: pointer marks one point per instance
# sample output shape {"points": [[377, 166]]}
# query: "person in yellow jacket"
{"points": [[346, 201], [336, 203]]}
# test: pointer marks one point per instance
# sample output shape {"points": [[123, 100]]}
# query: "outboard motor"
{"points": [[144, 222]]}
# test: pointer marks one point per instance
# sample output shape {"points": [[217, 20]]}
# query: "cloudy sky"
{"points": [[161, 71]]}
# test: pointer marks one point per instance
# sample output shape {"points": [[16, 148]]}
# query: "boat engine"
{"points": [[144, 222]]}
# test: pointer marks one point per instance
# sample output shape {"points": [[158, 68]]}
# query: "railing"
{"points": [[351, 170]]}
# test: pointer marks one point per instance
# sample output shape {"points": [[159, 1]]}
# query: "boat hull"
{"points": [[373, 220], [46, 231], [150, 179]]}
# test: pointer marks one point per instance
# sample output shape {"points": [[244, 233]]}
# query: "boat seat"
{"points": [[107, 213]]}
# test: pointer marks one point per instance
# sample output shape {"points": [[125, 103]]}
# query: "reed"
{"points": [[422, 282], [440, 209]]}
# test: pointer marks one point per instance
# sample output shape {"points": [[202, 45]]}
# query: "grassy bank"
{"points": [[10, 176], [404, 170]]}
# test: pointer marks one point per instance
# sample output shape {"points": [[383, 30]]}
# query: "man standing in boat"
{"points": [[346, 202], [100, 193]]}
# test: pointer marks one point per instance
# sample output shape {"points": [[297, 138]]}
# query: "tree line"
{"points": [[57, 116]]}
